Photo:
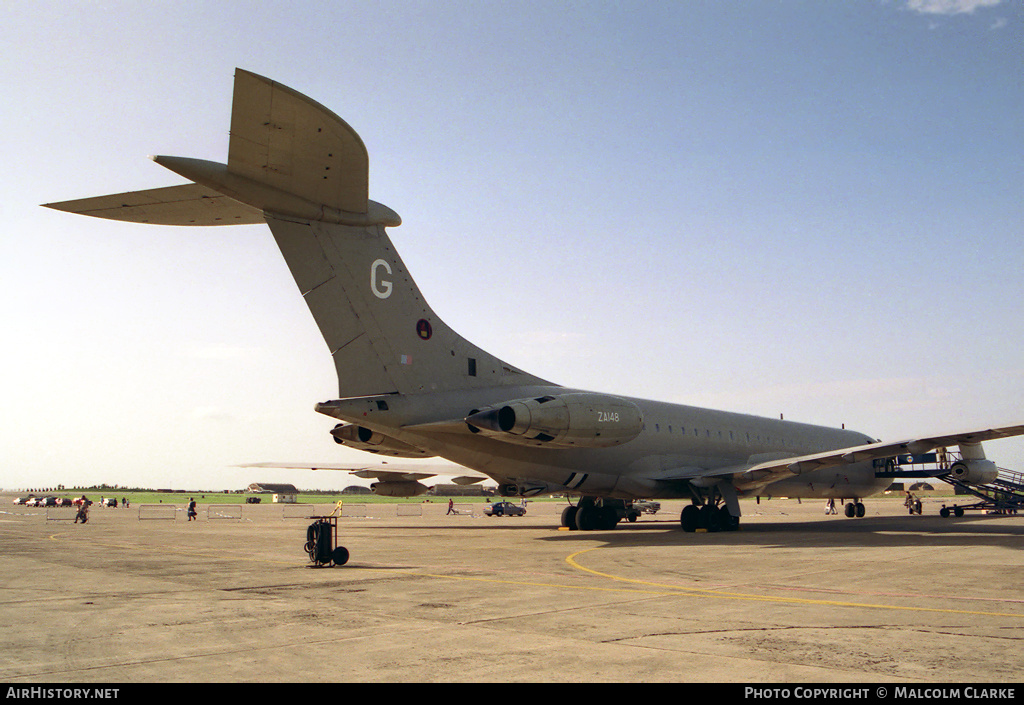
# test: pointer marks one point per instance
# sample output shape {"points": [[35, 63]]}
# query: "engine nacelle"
{"points": [[399, 488], [978, 472], [574, 420], [362, 438]]}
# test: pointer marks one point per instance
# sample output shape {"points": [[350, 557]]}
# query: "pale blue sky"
{"points": [[810, 208]]}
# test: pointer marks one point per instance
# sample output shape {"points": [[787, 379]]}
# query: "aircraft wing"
{"points": [[389, 473], [188, 204], [763, 473]]}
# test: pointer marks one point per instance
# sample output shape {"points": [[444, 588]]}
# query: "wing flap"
{"points": [[392, 472]]}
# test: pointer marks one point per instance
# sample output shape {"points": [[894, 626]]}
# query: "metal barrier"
{"points": [[224, 511], [353, 510], [467, 509], [158, 511], [409, 510], [296, 511]]}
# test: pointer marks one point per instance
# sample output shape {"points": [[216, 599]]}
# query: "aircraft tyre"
{"points": [[569, 518], [726, 521], [709, 518], [690, 518], [850, 510], [586, 517], [590, 517], [859, 508], [609, 518]]}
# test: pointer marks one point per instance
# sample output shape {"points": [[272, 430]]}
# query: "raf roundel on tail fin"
{"points": [[412, 387], [305, 171]]}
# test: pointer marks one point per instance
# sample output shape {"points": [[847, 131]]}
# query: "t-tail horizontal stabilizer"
{"points": [[302, 169]]}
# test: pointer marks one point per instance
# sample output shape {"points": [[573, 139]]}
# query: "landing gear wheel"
{"points": [[586, 517], [569, 518], [609, 519], [690, 518], [850, 510], [859, 509], [726, 520], [709, 518]]}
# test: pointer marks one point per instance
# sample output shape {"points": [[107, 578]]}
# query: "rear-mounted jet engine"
{"points": [[575, 420], [362, 438]]}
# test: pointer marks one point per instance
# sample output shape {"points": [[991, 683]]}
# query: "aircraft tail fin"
{"points": [[291, 143], [383, 336], [294, 163]]}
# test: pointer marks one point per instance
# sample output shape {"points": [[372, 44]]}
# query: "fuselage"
{"points": [[674, 439]]}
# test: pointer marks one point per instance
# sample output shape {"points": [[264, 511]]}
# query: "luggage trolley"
{"points": [[322, 543]]}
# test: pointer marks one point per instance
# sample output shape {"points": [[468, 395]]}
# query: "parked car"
{"points": [[24, 500], [506, 509], [646, 506]]}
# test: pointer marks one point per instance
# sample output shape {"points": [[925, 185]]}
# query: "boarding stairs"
{"points": [[1005, 495]]}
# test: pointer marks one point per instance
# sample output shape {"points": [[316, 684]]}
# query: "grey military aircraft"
{"points": [[410, 387]]}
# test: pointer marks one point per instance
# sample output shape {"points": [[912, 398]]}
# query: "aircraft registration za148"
{"points": [[410, 387]]}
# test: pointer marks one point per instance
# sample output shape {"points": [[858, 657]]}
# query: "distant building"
{"points": [[284, 494], [356, 490]]}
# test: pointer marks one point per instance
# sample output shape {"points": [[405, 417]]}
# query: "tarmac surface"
{"points": [[794, 596]]}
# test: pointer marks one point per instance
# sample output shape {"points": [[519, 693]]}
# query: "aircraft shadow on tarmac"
{"points": [[867, 532]]}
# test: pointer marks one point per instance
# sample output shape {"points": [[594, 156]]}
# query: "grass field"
{"points": [[136, 497], [149, 497]]}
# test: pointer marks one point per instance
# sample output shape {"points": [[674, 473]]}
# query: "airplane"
{"points": [[411, 387]]}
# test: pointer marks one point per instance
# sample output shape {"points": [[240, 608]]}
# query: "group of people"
{"points": [[84, 503], [912, 503]]}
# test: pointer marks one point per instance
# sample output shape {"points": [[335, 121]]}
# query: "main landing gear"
{"points": [[709, 517], [603, 514], [854, 509], [594, 514]]}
